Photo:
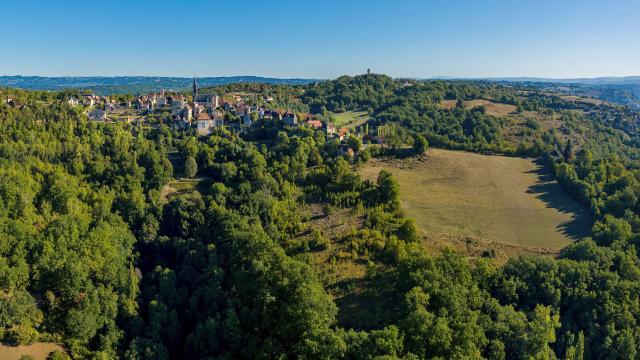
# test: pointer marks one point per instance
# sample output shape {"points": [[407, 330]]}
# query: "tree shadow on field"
{"points": [[398, 154], [553, 195]]}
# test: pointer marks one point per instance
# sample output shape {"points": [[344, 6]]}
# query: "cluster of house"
{"points": [[205, 112], [14, 103], [87, 100], [91, 100]]}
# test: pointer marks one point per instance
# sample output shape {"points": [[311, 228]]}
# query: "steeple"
{"points": [[195, 90]]}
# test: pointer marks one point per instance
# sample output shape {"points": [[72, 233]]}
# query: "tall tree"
{"points": [[190, 167]]}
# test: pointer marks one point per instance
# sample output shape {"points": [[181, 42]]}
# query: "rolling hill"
{"points": [[103, 85]]}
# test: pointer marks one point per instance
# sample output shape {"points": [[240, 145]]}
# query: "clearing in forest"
{"points": [[492, 108], [508, 200], [351, 119], [38, 351], [183, 186]]}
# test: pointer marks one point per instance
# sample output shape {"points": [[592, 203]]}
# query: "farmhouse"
{"points": [[144, 105], [205, 123], [97, 115], [331, 128], [161, 100], [315, 124], [88, 100], [290, 118], [344, 132]]}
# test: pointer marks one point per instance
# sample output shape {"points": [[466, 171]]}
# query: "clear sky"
{"points": [[321, 39]]}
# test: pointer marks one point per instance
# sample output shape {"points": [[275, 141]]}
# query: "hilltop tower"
{"points": [[195, 90]]}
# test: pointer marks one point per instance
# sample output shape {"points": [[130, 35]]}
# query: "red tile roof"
{"points": [[317, 124]]}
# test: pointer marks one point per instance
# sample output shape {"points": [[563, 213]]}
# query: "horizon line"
{"points": [[435, 77], [320, 78]]}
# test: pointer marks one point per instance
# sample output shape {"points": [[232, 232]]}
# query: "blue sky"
{"points": [[321, 39]]}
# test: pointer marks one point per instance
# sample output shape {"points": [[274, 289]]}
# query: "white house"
{"points": [[204, 125], [88, 100]]}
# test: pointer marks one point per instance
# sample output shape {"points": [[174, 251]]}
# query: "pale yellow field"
{"points": [[582, 99], [492, 108], [38, 351], [502, 199]]}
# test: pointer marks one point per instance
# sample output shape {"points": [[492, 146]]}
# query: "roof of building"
{"points": [[317, 124]]}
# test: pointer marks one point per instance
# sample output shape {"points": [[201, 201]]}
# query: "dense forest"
{"points": [[93, 257]]}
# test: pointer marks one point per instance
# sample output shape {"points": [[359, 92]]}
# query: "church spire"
{"points": [[195, 90]]}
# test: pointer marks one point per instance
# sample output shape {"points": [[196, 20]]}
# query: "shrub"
{"points": [[319, 241], [21, 335], [190, 167], [328, 210], [58, 355]]}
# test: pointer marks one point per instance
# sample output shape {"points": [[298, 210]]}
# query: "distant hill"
{"points": [[623, 90], [103, 85], [619, 90], [608, 80]]}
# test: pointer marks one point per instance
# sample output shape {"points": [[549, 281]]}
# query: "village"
{"points": [[202, 112]]}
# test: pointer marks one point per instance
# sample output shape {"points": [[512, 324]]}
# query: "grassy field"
{"points": [[511, 201], [180, 187], [492, 108], [582, 99], [351, 119], [38, 351]]}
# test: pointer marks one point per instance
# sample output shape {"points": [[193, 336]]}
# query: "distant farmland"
{"points": [[507, 200]]}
